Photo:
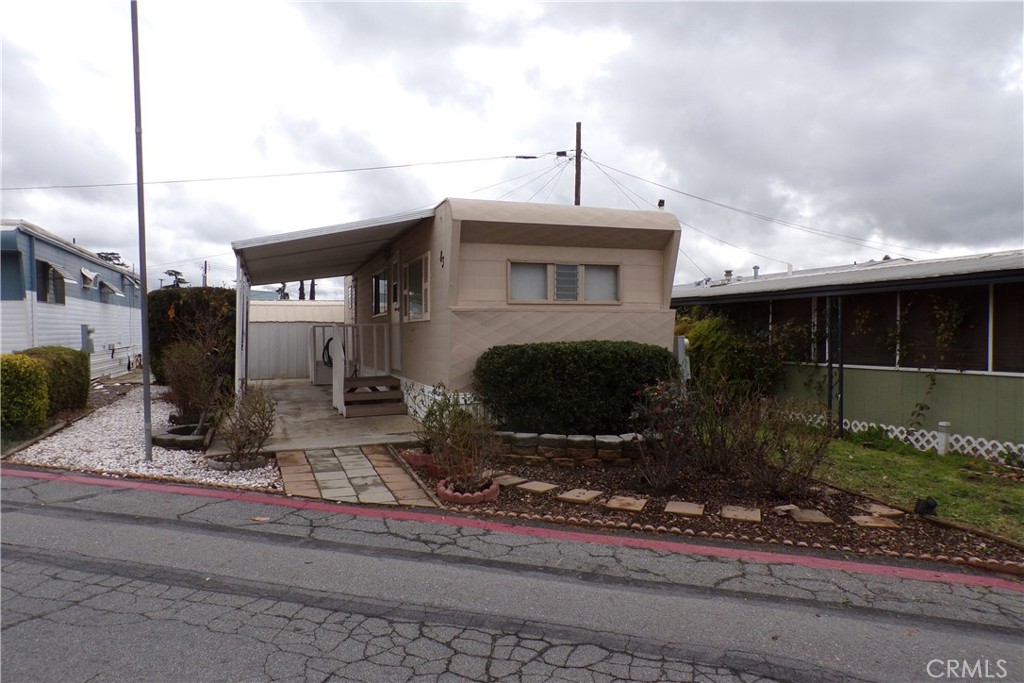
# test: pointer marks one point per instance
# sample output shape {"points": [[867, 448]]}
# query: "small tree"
{"points": [[113, 258], [177, 279]]}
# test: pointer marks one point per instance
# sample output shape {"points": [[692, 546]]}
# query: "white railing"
{"points": [[357, 350]]}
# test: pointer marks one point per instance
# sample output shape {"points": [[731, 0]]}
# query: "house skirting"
{"points": [[985, 407]]}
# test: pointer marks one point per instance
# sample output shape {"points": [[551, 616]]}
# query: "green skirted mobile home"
{"points": [[947, 333]]}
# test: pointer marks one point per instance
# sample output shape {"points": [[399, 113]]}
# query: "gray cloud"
{"points": [[896, 121], [40, 148], [887, 116]]}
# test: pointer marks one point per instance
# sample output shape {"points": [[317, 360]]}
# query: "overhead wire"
{"points": [[771, 219], [278, 175], [617, 184], [734, 246], [552, 170], [553, 182]]}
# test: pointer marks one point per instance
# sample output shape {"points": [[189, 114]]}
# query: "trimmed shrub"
{"points": [[204, 315], [192, 378], [67, 376], [585, 387], [23, 399]]}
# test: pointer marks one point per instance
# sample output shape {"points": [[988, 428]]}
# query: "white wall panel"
{"points": [[278, 350], [15, 326]]}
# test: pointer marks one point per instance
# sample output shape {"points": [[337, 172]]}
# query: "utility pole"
{"points": [[579, 159], [147, 411], [206, 269]]}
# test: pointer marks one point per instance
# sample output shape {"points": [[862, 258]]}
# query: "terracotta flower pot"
{"points": [[445, 493], [416, 457]]}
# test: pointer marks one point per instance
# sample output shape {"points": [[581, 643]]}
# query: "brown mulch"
{"points": [[917, 538]]}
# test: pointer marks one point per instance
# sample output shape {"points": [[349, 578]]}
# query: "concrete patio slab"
{"points": [[307, 421]]}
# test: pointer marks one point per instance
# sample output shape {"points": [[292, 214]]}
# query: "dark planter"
{"points": [[182, 438]]}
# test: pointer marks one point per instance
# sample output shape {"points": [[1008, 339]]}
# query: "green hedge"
{"points": [[586, 387], [67, 376], [23, 398], [203, 315]]}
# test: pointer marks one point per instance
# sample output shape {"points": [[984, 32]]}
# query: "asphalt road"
{"points": [[102, 583]]}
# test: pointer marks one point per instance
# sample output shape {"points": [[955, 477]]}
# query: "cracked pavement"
{"points": [[104, 583]]}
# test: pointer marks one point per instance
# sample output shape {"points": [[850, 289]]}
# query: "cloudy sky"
{"points": [[870, 128]]}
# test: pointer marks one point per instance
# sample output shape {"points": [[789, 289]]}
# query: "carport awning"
{"points": [[330, 251]]}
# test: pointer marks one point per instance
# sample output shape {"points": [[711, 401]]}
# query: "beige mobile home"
{"points": [[430, 291]]}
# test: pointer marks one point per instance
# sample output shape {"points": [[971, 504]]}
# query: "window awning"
{"points": [[89, 277], [63, 272], [112, 288]]}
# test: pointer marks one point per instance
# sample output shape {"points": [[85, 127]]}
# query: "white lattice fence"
{"points": [[990, 449]]}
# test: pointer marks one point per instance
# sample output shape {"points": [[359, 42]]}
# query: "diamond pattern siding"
{"points": [[473, 332]]}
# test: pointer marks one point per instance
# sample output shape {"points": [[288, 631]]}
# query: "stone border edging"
{"points": [[933, 519], [567, 450], [1003, 566]]}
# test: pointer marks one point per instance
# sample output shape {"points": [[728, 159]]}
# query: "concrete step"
{"points": [[372, 409]]}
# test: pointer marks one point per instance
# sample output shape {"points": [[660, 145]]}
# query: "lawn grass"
{"points": [[964, 490]]}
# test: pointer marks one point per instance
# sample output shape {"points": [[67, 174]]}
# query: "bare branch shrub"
{"points": [[248, 421], [776, 446], [664, 418]]}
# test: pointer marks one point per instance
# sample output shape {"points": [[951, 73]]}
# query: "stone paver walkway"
{"points": [[353, 474]]}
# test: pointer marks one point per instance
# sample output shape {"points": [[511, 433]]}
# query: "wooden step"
{"points": [[373, 396], [388, 381], [371, 409]]}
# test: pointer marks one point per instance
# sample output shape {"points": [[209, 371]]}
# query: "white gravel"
{"points": [[111, 441]]}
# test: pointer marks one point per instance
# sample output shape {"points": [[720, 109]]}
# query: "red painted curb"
{"points": [[743, 554]]}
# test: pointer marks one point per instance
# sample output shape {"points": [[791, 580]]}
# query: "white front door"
{"points": [[395, 317]]}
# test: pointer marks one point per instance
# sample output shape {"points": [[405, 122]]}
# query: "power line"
{"points": [[275, 175], [734, 246], [693, 262], [551, 181], [806, 228], [549, 171]]}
